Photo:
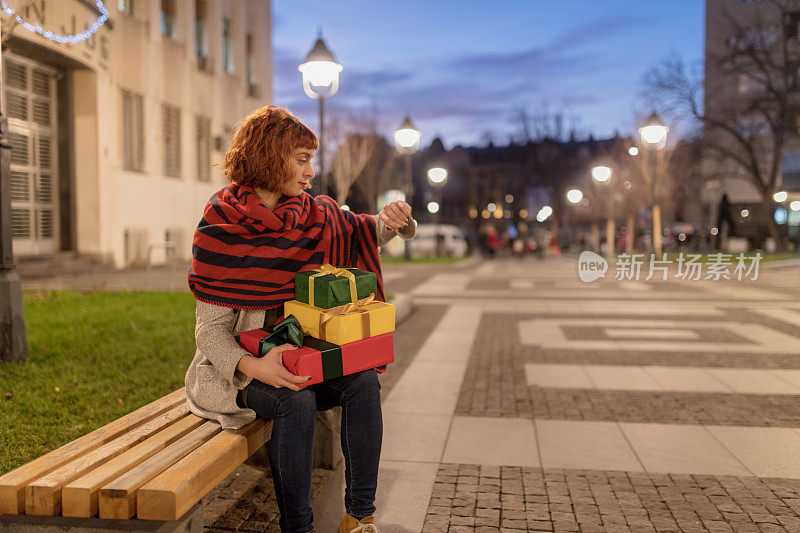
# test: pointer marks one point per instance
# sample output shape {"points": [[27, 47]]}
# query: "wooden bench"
{"points": [[154, 464]]}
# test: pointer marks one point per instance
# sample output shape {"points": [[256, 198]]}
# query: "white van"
{"points": [[424, 243]]}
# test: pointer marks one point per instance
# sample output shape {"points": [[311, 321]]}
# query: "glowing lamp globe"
{"points": [[654, 133], [601, 173], [320, 72], [437, 175], [574, 196], [407, 137]]}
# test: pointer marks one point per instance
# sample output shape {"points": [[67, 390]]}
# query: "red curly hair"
{"points": [[260, 150]]}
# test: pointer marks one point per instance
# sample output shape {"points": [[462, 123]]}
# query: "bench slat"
{"points": [[80, 497], [43, 496], [12, 484], [118, 498], [174, 491]]}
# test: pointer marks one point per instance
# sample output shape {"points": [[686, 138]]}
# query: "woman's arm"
{"points": [[395, 219], [385, 235], [213, 334], [214, 337]]}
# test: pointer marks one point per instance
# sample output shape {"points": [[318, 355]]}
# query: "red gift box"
{"points": [[324, 360]]}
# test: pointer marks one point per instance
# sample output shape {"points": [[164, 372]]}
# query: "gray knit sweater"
{"points": [[212, 381]]}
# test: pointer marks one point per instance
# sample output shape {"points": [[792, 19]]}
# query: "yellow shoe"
{"points": [[351, 525]]}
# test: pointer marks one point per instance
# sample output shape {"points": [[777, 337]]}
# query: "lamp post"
{"points": [[654, 138], [602, 174], [320, 80], [406, 141], [438, 177], [13, 342]]}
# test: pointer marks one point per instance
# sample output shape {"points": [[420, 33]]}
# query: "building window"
{"points": [[792, 26], [203, 141], [251, 63], [200, 29], [171, 117], [168, 18], [227, 45], [125, 6], [132, 131], [174, 236]]}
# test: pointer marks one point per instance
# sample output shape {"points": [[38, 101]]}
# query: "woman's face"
{"points": [[301, 172]]}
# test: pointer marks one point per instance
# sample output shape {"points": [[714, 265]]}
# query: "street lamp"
{"points": [[602, 174], [438, 177], [654, 138], [406, 141], [320, 80], [574, 196], [13, 340]]}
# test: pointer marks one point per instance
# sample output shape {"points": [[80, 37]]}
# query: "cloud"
{"points": [[463, 96], [593, 30]]}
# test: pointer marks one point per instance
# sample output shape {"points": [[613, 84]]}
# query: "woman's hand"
{"points": [[270, 370], [395, 214]]}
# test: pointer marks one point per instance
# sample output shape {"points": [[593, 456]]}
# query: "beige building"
{"points": [[114, 137]]}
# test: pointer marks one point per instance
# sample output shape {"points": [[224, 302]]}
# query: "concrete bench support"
{"points": [[190, 522]]}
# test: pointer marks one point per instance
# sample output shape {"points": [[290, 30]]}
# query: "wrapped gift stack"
{"points": [[336, 323]]}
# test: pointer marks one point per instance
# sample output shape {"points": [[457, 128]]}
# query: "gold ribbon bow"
{"points": [[354, 307], [327, 268]]}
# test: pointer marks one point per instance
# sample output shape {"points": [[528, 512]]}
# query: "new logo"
{"points": [[591, 266]]}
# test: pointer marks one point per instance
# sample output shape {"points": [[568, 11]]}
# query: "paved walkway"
{"points": [[523, 399], [539, 402]]}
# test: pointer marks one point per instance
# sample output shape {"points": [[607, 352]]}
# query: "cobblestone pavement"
{"points": [[480, 498], [666, 407], [245, 501], [495, 383], [557, 371]]}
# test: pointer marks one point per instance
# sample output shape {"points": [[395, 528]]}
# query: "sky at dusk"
{"points": [[461, 69]]}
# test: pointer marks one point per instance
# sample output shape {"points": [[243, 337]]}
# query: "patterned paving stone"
{"points": [[775, 410], [409, 337], [600, 334], [495, 384], [688, 359], [488, 284], [533, 499]]}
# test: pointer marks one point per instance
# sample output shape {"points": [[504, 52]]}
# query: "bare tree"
{"points": [[750, 112], [349, 161], [381, 172]]}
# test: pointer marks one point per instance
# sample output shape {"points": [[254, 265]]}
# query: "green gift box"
{"points": [[333, 286]]}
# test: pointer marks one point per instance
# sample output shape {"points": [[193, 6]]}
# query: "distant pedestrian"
{"points": [[492, 240]]}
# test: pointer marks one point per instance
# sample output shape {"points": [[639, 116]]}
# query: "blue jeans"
{"points": [[291, 448]]}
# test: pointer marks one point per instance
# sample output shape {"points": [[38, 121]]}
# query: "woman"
{"points": [[255, 234]]}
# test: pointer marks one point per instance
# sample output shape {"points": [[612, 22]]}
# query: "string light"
{"points": [[58, 37]]}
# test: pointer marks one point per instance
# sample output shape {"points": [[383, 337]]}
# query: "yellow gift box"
{"points": [[343, 324]]}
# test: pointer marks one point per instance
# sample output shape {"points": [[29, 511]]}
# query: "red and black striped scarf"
{"points": [[245, 255]]}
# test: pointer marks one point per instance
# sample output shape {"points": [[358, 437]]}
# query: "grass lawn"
{"points": [[390, 260], [93, 357]]}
